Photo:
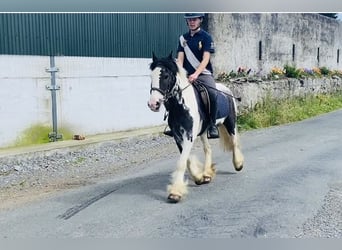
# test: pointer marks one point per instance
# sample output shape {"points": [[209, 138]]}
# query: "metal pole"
{"points": [[53, 136]]}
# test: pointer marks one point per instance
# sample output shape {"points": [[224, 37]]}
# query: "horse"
{"points": [[170, 87]]}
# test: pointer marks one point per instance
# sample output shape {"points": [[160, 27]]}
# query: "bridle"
{"points": [[167, 94], [170, 93]]}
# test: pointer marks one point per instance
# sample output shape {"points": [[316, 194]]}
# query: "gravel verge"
{"points": [[327, 222], [26, 177]]}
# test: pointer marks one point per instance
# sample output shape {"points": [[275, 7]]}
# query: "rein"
{"points": [[169, 94], [172, 92]]}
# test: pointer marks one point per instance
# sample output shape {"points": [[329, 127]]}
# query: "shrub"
{"points": [[291, 71], [223, 77], [325, 71]]}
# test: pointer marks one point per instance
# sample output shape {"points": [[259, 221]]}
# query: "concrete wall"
{"points": [[97, 95], [237, 38]]}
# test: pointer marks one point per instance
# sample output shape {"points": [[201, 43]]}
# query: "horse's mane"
{"points": [[165, 62], [169, 63], [182, 73]]}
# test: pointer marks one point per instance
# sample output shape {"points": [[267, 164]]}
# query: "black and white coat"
{"points": [[171, 88]]}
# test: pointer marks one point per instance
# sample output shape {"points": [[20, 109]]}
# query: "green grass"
{"points": [[273, 112], [39, 134]]}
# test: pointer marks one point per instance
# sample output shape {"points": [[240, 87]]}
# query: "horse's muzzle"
{"points": [[154, 106]]}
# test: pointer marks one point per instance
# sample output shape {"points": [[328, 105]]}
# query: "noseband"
{"points": [[170, 92]]}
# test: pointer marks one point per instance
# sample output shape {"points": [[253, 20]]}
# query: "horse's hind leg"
{"points": [[237, 154], [202, 174], [230, 142], [209, 168]]}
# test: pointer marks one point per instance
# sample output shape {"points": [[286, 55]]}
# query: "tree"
{"points": [[331, 15]]}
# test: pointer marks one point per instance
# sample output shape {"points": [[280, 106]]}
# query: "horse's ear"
{"points": [[154, 58], [170, 55]]}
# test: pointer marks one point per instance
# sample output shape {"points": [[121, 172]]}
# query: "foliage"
{"points": [[224, 77], [240, 72], [324, 71], [280, 73], [272, 111], [39, 134], [337, 73], [291, 71], [243, 71]]}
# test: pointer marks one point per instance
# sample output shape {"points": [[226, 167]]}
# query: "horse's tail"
{"points": [[229, 126], [226, 141]]}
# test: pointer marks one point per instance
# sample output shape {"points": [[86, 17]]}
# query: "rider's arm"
{"points": [[180, 59], [204, 63], [201, 67]]}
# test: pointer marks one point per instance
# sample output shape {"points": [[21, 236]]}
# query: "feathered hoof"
{"points": [[174, 198], [204, 180]]}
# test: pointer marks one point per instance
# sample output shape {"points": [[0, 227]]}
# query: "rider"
{"points": [[194, 50]]}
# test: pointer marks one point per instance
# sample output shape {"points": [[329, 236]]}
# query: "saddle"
{"points": [[223, 102], [204, 98]]}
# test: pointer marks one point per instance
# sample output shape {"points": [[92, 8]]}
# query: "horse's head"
{"points": [[163, 79]]}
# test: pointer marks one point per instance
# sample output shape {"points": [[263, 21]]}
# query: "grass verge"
{"points": [[271, 112], [39, 134]]}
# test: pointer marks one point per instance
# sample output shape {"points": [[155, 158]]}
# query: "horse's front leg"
{"points": [[178, 187]]}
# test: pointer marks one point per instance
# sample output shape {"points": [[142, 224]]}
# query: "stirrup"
{"points": [[213, 132], [168, 132]]}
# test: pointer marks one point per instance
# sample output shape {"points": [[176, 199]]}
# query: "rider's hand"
{"points": [[193, 78]]}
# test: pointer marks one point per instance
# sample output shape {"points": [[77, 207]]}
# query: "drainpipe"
{"points": [[53, 136]]}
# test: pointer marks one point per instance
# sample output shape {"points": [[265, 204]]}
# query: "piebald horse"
{"points": [[170, 87]]}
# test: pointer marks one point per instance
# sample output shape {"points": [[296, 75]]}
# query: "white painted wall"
{"points": [[97, 95]]}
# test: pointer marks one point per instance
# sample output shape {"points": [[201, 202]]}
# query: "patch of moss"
{"points": [[39, 134]]}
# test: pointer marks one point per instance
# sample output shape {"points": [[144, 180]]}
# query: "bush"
{"points": [[324, 71], [291, 71]]}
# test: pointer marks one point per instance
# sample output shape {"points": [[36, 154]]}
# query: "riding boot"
{"points": [[213, 131]]}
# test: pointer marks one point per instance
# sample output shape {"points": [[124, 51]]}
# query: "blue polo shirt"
{"points": [[200, 42]]}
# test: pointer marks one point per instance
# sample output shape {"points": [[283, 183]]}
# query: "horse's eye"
{"points": [[166, 77]]}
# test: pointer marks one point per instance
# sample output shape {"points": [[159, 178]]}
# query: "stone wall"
{"points": [[254, 92], [303, 40]]}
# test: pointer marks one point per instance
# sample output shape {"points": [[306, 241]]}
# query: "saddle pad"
{"points": [[223, 105]]}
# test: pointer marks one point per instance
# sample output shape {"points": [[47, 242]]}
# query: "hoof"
{"points": [[239, 168], [205, 180], [174, 198]]}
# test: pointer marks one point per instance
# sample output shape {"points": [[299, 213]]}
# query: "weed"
{"points": [[291, 71], [272, 112]]}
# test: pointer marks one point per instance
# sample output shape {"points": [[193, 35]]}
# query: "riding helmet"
{"points": [[193, 15]]}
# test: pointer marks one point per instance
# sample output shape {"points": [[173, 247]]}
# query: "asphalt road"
{"points": [[289, 177]]}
